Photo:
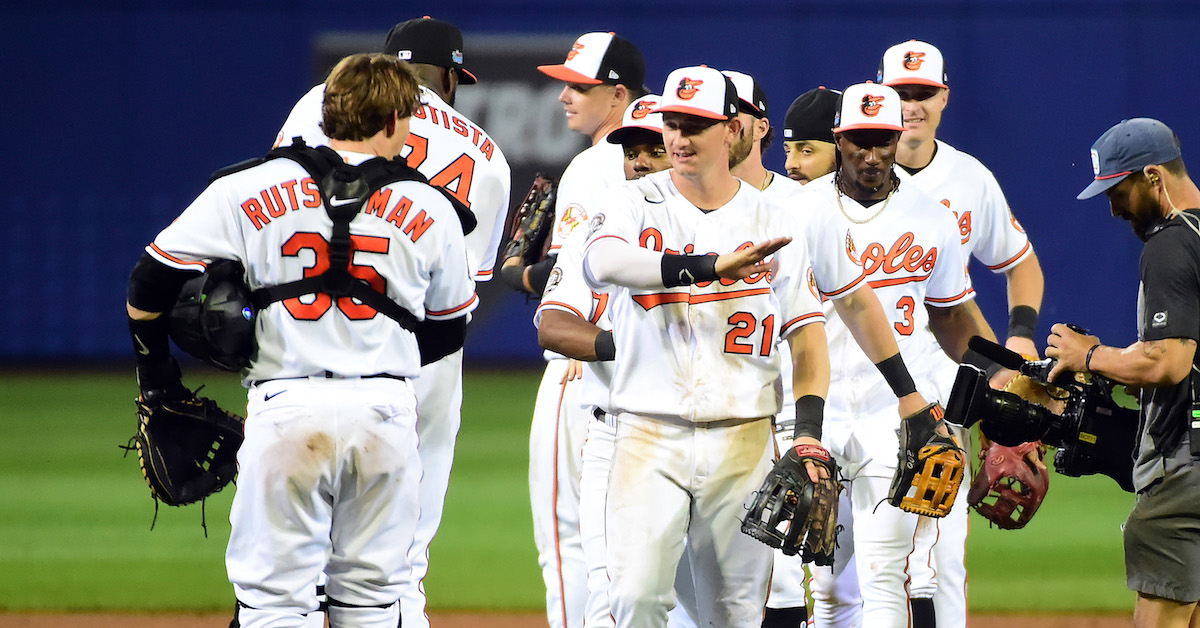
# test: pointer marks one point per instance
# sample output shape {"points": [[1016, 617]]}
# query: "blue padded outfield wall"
{"points": [[116, 112]]}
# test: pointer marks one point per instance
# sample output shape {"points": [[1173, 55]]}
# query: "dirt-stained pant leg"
{"points": [[673, 484], [296, 505], [646, 518]]}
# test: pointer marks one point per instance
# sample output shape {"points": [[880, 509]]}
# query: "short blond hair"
{"points": [[361, 93]]}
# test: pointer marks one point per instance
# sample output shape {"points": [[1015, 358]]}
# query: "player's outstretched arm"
{"points": [[1026, 285], [953, 326], [864, 317], [810, 384], [612, 261], [565, 333]]}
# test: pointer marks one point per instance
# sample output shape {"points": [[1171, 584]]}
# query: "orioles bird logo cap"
{"points": [[640, 119], [1127, 147], [699, 91], [869, 106], [912, 63], [600, 58]]}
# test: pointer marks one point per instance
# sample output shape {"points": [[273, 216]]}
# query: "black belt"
{"points": [[330, 375]]}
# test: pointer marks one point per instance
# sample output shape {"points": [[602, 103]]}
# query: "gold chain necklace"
{"points": [[766, 181], [856, 221]]}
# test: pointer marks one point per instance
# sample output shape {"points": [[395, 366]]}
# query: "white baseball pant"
{"points": [[556, 437], [297, 512], [676, 486]]}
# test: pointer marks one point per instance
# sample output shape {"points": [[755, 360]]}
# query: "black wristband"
{"points": [[1087, 362], [606, 347], [514, 277], [810, 416], [685, 270], [539, 274], [897, 376], [150, 340], [1022, 322]]}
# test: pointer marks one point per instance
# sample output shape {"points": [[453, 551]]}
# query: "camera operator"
{"points": [[1137, 163]]}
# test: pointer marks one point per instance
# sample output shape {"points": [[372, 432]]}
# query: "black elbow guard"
{"points": [[154, 286], [438, 339]]}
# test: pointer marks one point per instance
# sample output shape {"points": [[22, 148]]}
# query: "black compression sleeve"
{"points": [[810, 416], [897, 376], [685, 270], [606, 347], [1022, 321], [154, 286], [438, 339]]}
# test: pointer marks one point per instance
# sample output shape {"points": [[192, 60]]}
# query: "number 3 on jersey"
{"points": [[744, 326], [906, 304], [461, 169]]}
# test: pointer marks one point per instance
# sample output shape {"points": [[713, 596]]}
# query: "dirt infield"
{"points": [[473, 620]]}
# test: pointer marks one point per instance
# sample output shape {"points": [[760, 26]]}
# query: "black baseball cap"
{"points": [[750, 93], [426, 40], [601, 58], [810, 117]]}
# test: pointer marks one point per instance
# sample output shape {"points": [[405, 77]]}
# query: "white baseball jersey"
{"points": [[836, 275], [707, 351], [568, 291], [581, 186], [451, 151], [270, 218], [908, 249], [992, 234], [987, 227]]}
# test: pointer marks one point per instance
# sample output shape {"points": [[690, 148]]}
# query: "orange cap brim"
{"points": [[563, 73]]}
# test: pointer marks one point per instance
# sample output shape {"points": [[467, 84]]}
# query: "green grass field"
{"points": [[75, 515]]}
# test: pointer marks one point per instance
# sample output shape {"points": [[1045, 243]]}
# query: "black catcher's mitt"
{"points": [[793, 514], [187, 447], [931, 466], [528, 228]]}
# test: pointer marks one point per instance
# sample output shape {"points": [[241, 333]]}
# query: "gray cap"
{"points": [[1127, 147]]}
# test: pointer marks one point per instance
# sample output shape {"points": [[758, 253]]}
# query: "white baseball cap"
{"points": [[640, 115], [912, 63], [699, 91], [754, 99], [869, 106], [597, 58]]}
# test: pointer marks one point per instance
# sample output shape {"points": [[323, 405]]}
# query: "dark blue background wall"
{"points": [[114, 117]]}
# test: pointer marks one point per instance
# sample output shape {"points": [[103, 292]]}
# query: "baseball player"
{"points": [[807, 135], [572, 320], [989, 232], [839, 281], [908, 248], [328, 472], [604, 74], [456, 154], [696, 338]]}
